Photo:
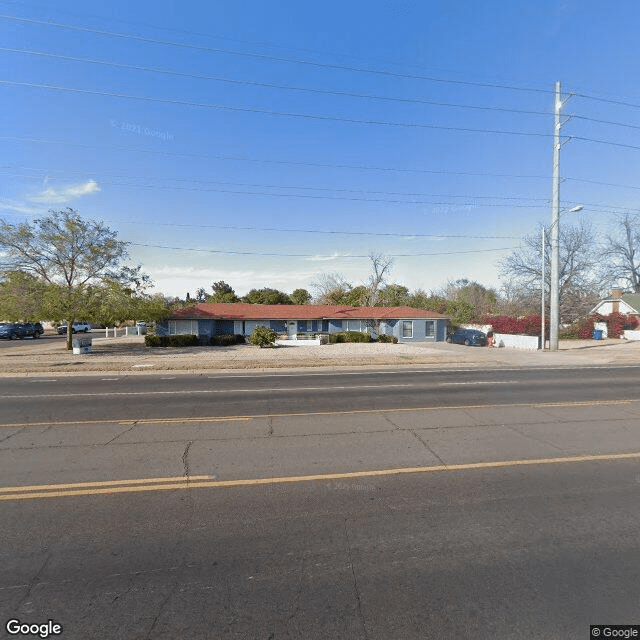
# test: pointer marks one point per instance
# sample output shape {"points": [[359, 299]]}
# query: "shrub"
{"points": [[226, 340], [263, 337], [385, 338], [171, 341], [349, 336], [530, 325]]}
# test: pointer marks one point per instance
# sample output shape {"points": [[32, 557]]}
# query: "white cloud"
{"points": [[61, 196], [335, 256], [178, 280], [18, 207]]}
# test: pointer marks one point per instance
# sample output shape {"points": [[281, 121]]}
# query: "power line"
{"points": [[620, 103], [606, 142], [313, 90], [206, 105], [164, 180], [261, 56], [277, 162], [609, 122], [604, 184], [269, 85], [301, 255], [269, 45], [315, 231]]}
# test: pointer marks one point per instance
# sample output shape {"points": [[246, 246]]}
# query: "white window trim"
{"points": [[433, 326], [403, 326]]}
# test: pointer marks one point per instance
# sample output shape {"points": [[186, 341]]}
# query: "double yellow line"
{"points": [[204, 481]]}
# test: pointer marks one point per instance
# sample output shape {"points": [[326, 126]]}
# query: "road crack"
{"points": [[356, 588], [34, 581], [163, 605], [296, 607], [540, 440], [185, 459], [414, 433], [121, 434]]}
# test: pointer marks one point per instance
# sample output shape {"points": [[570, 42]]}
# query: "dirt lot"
{"points": [[128, 354]]}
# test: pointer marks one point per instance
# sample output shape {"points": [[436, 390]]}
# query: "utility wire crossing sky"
{"points": [[266, 145]]}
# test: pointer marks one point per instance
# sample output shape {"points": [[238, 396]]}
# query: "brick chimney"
{"points": [[616, 294]]}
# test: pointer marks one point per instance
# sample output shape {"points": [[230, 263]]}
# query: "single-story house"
{"points": [[627, 304], [294, 321]]}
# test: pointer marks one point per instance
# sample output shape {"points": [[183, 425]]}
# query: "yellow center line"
{"points": [[186, 420], [182, 483], [102, 483]]}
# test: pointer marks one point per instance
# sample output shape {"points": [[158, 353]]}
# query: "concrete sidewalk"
{"points": [[128, 354]]}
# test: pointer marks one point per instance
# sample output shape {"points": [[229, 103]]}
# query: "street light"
{"points": [[555, 280]]}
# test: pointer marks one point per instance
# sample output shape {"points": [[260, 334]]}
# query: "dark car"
{"points": [[468, 337], [32, 329], [12, 330]]}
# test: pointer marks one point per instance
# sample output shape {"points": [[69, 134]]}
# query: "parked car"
{"points": [[32, 329], [12, 330], [77, 327], [468, 337]]}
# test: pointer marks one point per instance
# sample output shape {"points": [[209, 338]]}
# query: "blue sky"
{"points": [[266, 143]]}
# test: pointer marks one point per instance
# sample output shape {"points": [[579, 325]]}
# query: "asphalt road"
{"points": [[122, 397], [390, 504]]}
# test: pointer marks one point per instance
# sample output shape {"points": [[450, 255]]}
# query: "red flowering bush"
{"points": [[507, 324], [616, 324]]}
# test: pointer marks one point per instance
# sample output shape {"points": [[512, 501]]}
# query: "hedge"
{"points": [[171, 341], [226, 340], [349, 336], [385, 338]]}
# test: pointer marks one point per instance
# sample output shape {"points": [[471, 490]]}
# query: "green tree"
{"points": [[266, 296], [118, 303], [70, 255], [23, 297], [222, 292], [300, 296], [393, 295]]}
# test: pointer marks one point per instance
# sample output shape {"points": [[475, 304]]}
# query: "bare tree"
{"points": [[579, 285], [328, 287], [622, 253], [381, 266]]}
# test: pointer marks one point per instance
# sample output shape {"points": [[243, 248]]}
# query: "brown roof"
{"points": [[245, 311]]}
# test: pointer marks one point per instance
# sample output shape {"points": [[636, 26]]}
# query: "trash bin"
{"points": [[597, 334], [81, 345]]}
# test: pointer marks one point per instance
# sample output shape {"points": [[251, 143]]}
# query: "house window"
{"points": [[183, 327], [353, 325], [407, 328], [309, 325], [430, 329]]}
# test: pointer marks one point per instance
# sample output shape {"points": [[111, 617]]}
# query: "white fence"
{"points": [[628, 334], [516, 341]]}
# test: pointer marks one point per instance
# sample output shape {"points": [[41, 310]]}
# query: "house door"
{"points": [[292, 329]]}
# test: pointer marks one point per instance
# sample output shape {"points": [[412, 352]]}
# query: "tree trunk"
{"points": [[69, 335]]}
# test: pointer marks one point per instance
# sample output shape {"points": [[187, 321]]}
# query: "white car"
{"points": [[77, 327]]}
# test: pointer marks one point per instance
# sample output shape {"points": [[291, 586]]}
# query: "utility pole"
{"points": [[542, 315], [555, 217]]}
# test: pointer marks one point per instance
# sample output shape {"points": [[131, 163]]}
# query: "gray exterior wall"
{"points": [[419, 330]]}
